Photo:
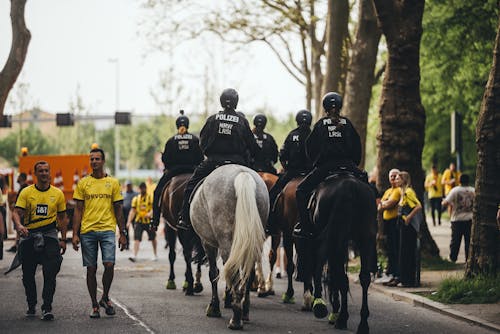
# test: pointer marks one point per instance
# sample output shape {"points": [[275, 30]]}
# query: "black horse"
{"points": [[343, 209]]}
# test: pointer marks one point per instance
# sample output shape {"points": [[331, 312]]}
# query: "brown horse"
{"points": [[171, 204]]}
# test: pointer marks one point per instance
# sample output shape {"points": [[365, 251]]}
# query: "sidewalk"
{"points": [[485, 315]]}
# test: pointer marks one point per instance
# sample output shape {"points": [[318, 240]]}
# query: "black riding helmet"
{"points": [[182, 120], [260, 121], [229, 99], [332, 100], [303, 117]]}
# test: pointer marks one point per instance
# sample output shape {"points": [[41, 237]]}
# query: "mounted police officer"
{"points": [[268, 154], [293, 159], [333, 145], [181, 155], [225, 138]]}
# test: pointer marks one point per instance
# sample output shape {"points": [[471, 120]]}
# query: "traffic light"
{"points": [[6, 121], [122, 117], [65, 119]]}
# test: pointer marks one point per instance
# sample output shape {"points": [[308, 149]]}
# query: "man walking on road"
{"points": [[460, 199], [98, 210], [40, 209]]}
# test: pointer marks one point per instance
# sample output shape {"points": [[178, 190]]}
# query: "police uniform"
{"points": [[182, 154], [268, 155], [330, 147], [225, 138]]}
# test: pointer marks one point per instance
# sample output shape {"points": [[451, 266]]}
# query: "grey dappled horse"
{"points": [[228, 212]]}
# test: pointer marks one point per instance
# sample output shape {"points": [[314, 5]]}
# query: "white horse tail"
{"points": [[248, 235]]}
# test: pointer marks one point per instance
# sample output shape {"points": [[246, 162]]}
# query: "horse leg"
{"points": [[365, 280], [320, 309], [246, 299], [275, 240], [188, 284], [259, 278], [213, 309], [290, 268], [335, 301], [236, 321], [198, 287], [171, 240], [341, 283], [228, 297]]}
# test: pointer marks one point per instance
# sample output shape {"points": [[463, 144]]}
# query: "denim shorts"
{"points": [[90, 242]]}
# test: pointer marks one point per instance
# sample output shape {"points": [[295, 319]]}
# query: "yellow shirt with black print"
{"points": [[41, 206], [142, 205]]}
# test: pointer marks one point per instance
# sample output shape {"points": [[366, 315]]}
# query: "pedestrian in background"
{"points": [[140, 214], [22, 180], [39, 211], [128, 196], [434, 189], [460, 200], [98, 210]]}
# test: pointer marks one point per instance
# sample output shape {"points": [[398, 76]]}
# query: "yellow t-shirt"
{"points": [[392, 194], [447, 176], [98, 195], [41, 207], [409, 198], [142, 205], [436, 190]]}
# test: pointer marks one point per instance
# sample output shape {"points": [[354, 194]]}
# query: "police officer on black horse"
{"points": [[294, 161], [181, 155], [226, 138], [333, 147], [268, 155]]}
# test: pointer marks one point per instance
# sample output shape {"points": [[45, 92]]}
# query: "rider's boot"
{"points": [[303, 228], [183, 223], [271, 228]]}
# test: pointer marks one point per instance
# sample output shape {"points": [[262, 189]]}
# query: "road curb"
{"points": [[417, 300]]}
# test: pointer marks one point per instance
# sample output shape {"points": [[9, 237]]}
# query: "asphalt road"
{"points": [[145, 306]]}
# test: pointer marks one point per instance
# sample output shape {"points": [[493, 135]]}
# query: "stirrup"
{"points": [[301, 233], [183, 225]]}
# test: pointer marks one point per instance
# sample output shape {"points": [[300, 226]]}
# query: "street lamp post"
{"points": [[116, 61]]}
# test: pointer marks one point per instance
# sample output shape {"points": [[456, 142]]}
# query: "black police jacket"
{"points": [[292, 154], [182, 150], [268, 154], [227, 136], [333, 143]]}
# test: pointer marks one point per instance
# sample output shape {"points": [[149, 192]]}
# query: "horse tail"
{"points": [[248, 235]]}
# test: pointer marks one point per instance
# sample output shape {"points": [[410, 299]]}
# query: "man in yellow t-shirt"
{"points": [[450, 178], [98, 210], [142, 210], [40, 209], [434, 189], [389, 207]]}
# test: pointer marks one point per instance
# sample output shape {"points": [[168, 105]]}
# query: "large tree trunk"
{"points": [[402, 116], [20, 40], [360, 77], [337, 32], [484, 256]]}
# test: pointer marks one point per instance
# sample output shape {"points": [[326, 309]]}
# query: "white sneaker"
{"points": [[154, 258], [384, 279]]}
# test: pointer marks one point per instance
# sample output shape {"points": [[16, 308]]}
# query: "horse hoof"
{"points": [[228, 305], [341, 324], [363, 329], [198, 287], [170, 285], [245, 317], [189, 292], [213, 312], [287, 299], [308, 301], [332, 318], [235, 325], [319, 308], [263, 294], [185, 285]]}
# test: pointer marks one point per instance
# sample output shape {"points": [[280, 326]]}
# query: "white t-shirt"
{"points": [[461, 198]]}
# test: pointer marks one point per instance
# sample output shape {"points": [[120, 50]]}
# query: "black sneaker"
{"points": [[95, 312], [47, 315], [31, 311], [106, 303], [183, 225]]}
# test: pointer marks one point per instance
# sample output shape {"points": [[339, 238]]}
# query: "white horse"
{"points": [[228, 212]]}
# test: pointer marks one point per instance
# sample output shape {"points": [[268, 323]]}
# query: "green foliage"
{"points": [[477, 290], [456, 55]]}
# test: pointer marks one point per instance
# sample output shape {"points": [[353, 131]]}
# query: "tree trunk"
{"points": [[20, 40], [337, 32], [360, 77], [402, 116], [484, 254]]}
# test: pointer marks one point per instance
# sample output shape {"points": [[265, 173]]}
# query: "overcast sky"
{"points": [[73, 41]]}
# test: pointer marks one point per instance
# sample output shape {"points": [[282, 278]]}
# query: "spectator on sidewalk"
{"points": [[128, 196], [140, 214], [450, 178], [434, 189], [460, 200], [98, 211], [22, 180], [389, 208], [40, 210]]}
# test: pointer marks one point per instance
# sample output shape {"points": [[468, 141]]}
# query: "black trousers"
{"points": [[436, 207], [50, 258], [281, 182], [407, 254], [459, 228], [392, 234], [167, 176]]}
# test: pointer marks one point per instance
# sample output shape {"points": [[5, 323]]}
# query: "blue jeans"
{"points": [[90, 242]]}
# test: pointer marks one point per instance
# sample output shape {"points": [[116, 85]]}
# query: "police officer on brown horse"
{"points": [[226, 138]]}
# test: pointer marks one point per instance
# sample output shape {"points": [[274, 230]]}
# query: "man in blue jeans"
{"points": [[98, 210]]}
